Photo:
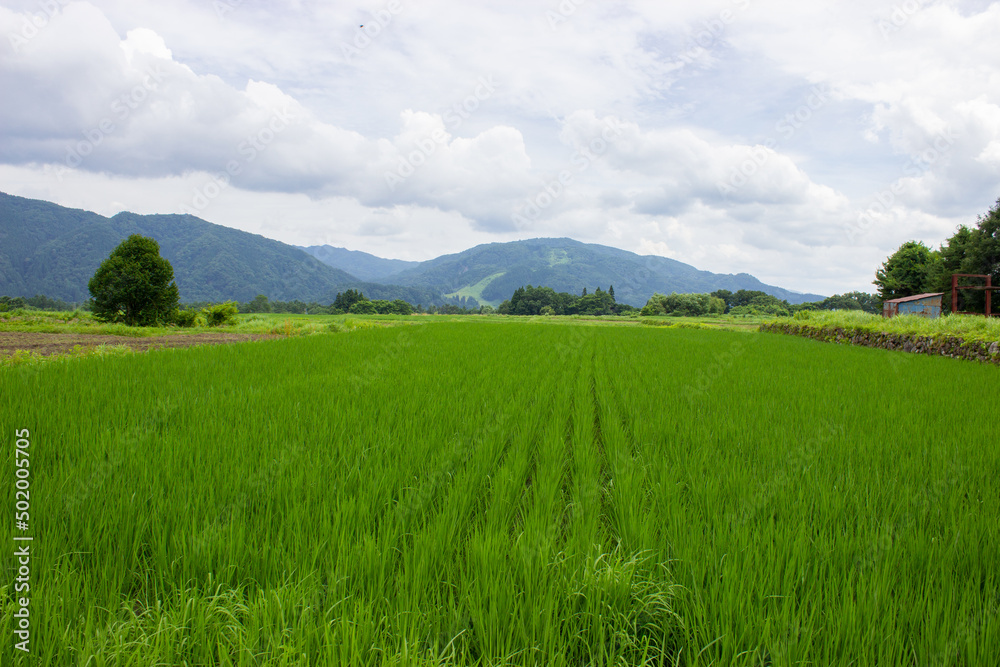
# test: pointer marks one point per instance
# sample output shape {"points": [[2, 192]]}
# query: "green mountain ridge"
{"points": [[358, 263], [49, 249], [491, 272], [53, 250]]}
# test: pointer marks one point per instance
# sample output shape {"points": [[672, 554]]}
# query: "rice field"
{"points": [[507, 493]]}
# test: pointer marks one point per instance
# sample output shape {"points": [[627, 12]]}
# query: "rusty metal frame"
{"points": [[988, 288]]}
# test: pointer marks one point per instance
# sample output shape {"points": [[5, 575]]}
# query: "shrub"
{"points": [[186, 318], [220, 314]]}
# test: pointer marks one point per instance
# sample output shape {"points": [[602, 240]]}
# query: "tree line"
{"points": [[546, 301], [352, 301], [751, 302], [915, 268], [39, 302]]}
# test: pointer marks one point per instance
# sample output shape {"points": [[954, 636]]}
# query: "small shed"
{"points": [[926, 305]]}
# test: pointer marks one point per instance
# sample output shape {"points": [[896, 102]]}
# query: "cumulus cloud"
{"points": [[133, 110]]}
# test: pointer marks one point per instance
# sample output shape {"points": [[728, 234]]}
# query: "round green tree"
{"points": [[135, 285], [906, 272]]}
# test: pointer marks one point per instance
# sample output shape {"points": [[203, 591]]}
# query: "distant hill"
{"points": [[490, 273], [357, 263], [52, 250]]}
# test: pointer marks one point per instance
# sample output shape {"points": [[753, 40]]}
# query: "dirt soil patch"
{"points": [[57, 343]]}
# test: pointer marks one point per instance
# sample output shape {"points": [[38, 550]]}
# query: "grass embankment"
{"points": [[970, 327], [478, 494], [961, 336]]}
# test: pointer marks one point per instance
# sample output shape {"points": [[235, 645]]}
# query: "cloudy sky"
{"points": [[801, 142]]}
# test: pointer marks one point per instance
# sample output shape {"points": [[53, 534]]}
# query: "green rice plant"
{"points": [[22, 357], [801, 484], [105, 350]]}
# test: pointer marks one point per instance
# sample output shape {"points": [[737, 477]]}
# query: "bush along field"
{"points": [[472, 493], [971, 337]]}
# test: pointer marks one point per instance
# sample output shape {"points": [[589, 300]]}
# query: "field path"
{"points": [[58, 343]]}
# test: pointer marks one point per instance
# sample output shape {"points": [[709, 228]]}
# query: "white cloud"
{"points": [[144, 40], [721, 154]]}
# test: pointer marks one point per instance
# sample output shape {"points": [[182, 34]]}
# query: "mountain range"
{"points": [[357, 263], [491, 272], [53, 250]]}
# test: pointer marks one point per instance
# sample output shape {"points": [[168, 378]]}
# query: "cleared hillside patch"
{"points": [[476, 290]]}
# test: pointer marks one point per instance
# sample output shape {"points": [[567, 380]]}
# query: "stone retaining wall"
{"points": [[942, 345]]}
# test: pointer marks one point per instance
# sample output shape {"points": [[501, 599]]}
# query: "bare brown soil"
{"points": [[57, 343]]}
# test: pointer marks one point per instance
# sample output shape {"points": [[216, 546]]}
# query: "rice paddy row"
{"points": [[514, 493]]}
